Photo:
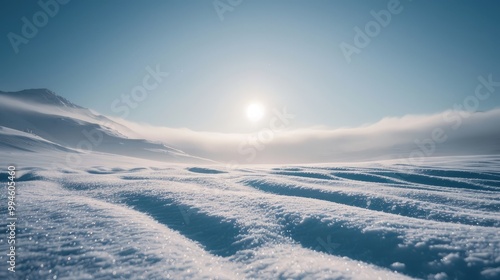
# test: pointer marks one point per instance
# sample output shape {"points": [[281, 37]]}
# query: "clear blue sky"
{"points": [[281, 53]]}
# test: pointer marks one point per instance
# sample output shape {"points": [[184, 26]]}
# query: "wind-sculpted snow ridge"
{"points": [[380, 220]]}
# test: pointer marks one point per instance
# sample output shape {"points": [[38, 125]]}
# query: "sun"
{"points": [[255, 112]]}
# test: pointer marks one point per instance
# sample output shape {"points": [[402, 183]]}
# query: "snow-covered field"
{"points": [[124, 218]]}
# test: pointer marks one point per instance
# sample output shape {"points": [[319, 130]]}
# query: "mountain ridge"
{"points": [[41, 96], [57, 120]]}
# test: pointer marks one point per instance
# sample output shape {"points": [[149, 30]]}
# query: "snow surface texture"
{"points": [[159, 221]]}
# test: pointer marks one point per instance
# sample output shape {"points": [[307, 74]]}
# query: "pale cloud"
{"points": [[389, 138], [408, 137]]}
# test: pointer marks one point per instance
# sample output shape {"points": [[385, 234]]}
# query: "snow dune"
{"points": [[361, 221]]}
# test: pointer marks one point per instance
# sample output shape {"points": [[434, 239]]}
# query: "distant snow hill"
{"points": [[37, 120]]}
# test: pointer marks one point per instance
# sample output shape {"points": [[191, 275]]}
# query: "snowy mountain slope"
{"points": [[14, 140], [40, 97], [55, 119], [379, 220]]}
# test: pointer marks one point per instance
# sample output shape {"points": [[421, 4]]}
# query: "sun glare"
{"points": [[255, 112]]}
